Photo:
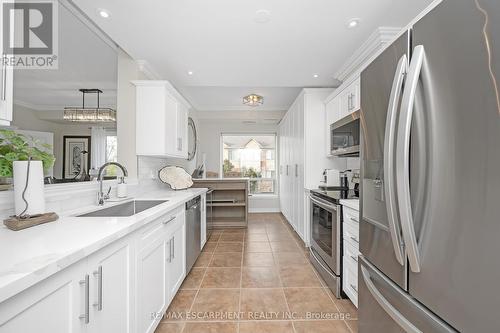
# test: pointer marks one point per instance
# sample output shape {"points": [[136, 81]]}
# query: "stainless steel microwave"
{"points": [[345, 136]]}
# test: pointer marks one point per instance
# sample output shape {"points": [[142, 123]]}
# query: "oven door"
{"points": [[326, 232]]}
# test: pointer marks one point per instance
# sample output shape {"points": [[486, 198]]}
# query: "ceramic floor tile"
{"points": [[307, 302], [209, 247], [274, 237], [232, 237], [257, 247], [290, 258], [222, 277], [345, 306], [321, 326], [213, 304], [203, 260], [194, 278], [256, 238], [165, 327], [227, 259], [266, 327], [258, 259], [180, 305], [285, 246], [299, 276], [263, 304], [211, 328], [260, 277], [353, 325], [229, 247]]}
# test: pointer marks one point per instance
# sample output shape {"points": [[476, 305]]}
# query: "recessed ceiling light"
{"points": [[316, 76], [190, 73], [262, 16], [104, 13], [353, 23]]}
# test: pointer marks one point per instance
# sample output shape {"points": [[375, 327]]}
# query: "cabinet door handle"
{"points": [[287, 170], [296, 170], [173, 247], [85, 316], [354, 258], [355, 239], [354, 287], [179, 143], [98, 275], [169, 220], [354, 219], [169, 259]]}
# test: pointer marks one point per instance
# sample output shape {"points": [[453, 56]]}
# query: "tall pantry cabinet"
{"points": [[301, 154]]}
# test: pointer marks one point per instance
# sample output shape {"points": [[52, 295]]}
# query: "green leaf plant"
{"points": [[18, 147]]}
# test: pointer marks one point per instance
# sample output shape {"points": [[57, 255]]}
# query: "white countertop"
{"points": [[31, 255], [351, 203]]}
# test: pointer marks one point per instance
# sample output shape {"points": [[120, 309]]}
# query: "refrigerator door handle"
{"points": [[389, 139], [386, 305], [403, 157]]}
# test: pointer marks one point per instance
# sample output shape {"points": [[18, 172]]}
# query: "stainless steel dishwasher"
{"points": [[193, 231]]}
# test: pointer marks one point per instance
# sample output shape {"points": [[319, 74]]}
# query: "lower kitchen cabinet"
{"points": [[161, 268], [125, 287], [351, 253]]}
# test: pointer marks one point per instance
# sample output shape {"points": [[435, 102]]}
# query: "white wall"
{"points": [[209, 134], [29, 119]]}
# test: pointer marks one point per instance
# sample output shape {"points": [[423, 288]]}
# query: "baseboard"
{"points": [[264, 210]]}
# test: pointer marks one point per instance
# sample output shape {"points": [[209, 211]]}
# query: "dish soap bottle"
{"points": [[121, 188]]}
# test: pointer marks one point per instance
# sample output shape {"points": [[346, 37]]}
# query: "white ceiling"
{"points": [[85, 61], [232, 55]]}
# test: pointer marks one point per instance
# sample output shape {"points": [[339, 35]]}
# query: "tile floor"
{"points": [[256, 280]]}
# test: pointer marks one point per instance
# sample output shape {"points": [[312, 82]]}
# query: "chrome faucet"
{"points": [[101, 197]]}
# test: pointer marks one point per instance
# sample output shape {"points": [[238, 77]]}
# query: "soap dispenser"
{"points": [[121, 188]]}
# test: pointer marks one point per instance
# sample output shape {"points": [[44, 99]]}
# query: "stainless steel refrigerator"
{"points": [[430, 164]]}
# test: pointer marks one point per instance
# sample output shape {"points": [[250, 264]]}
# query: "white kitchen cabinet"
{"points": [[54, 304], [351, 253], [302, 157], [342, 102], [161, 120], [93, 295], [176, 267], [111, 275], [6, 86], [161, 268]]}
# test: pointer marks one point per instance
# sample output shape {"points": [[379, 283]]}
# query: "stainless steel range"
{"points": [[326, 235]]}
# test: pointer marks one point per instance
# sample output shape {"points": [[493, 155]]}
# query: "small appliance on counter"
{"points": [[331, 178]]}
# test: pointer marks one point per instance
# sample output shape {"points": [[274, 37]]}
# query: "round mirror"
{"points": [[192, 137]]}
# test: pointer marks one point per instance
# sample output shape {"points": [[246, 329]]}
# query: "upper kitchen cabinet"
{"points": [[341, 103], [6, 85], [161, 120]]}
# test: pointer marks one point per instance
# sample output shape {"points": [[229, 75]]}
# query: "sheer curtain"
{"points": [[98, 152]]}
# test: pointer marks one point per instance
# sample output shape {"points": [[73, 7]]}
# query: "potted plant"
{"points": [[18, 147]]}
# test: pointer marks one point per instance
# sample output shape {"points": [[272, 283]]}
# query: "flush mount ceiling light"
{"points": [[315, 76], [190, 72], [253, 100], [353, 23], [103, 13], [95, 115]]}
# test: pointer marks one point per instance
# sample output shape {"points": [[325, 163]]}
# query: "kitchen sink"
{"points": [[128, 208]]}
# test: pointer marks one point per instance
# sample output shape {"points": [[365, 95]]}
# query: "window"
{"points": [[111, 152], [252, 156]]}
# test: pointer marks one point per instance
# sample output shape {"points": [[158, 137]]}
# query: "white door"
{"points": [[55, 305], [151, 293], [177, 252], [111, 288]]}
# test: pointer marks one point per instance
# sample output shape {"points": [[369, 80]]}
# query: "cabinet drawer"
{"points": [[350, 284], [351, 254], [351, 216], [157, 228], [351, 234]]}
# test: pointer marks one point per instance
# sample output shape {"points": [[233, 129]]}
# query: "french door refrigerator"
{"points": [[430, 206]]}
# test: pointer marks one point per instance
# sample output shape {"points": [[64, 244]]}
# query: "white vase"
{"points": [[34, 192]]}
